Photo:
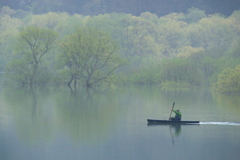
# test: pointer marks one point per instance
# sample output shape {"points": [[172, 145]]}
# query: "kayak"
{"points": [[155, 121]]}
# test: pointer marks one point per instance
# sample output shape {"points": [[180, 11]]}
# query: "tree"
{"points": [[89, 55], [8, 30], [170, 33], [194, 15], [49, 20], [228, 81], [212, 31], [32, 45], [139, 37], [180, 71]]}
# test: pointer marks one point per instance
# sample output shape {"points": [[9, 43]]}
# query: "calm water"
{"points": [[57, 124]]}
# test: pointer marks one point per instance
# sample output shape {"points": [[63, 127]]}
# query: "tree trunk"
{"points": [[88, 84], [75, 83], [69, 83], [32, 79]]}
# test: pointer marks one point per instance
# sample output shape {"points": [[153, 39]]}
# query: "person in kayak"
{"points": [[178, 116]]}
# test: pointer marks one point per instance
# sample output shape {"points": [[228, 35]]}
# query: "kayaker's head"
{"points": [[178, 110]]}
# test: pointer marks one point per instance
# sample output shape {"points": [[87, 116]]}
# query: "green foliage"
{"points": [[170, 34], [187, 51], [8, 29], [178, 48], [32, 45], [140, 72], [18, 72], [181, 70], [89, 55], [228, 81], [234, 50], [209, 32], [49, 20], [194, 15], [138, 37]]}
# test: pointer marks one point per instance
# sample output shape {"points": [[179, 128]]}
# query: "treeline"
{"points": [[192, 49]]}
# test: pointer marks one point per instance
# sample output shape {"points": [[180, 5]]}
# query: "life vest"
{"points": [[178, 114]]}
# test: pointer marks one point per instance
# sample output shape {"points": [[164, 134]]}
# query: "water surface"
{"points": [[59, 124]]}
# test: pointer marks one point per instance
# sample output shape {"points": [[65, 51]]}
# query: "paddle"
{"points": [[172, 109]]}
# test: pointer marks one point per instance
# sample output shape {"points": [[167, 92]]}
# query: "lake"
{"points": [[60, 124]]}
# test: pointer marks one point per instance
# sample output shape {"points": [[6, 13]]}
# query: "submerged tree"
{"points": [[32, 45], [89, 55]]}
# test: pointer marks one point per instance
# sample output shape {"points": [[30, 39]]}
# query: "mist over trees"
{"points": [[33, 43], [188, 49], [134, 7], [88, 55]]}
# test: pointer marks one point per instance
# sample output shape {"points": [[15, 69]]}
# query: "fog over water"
{"points": [[60, 124]]}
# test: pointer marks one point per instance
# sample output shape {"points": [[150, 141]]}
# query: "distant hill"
{"points": [[134, 7]]}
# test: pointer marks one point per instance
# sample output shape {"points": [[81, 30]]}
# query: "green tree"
{"points": [[48, 20], [89, 55], [138, 37], [170, 33], [212, 31], [180, 71], [8, 30], [228, 81], [33, 43], [194, 15]]}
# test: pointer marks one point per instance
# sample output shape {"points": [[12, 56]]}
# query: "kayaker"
{"points": [[178, 115]]}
